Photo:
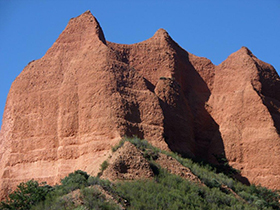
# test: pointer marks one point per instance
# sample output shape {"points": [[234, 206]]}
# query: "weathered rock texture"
{"points": [[245, 102], [66, 110], [127, 163]]}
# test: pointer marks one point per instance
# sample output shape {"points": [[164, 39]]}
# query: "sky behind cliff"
{"points": [[212, 29]]}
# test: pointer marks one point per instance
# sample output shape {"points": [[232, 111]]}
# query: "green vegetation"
{"points": [[172, 192], [64, 197], [256, 197], [104, 165], [26, 195], [80, 191]]}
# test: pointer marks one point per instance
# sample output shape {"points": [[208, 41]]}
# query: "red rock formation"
{"points": [[245, 104], [66, 110]]}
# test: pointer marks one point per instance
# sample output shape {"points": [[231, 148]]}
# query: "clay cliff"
{"points": [[66, 110]]}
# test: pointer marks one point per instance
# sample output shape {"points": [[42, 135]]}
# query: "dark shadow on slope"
{"points": [[149, 85], [178, 128], [273, 106], [126, 77], [270, 91], [208, 144], [132, 116], [188, 127], [206, 130], [177, 135]]}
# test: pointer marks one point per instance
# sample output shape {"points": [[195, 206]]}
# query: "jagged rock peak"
{"points": [[88, 20], [243, 58], [162, 34], [245, 51]]}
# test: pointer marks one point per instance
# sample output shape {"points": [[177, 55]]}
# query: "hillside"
{"points": [[162, 189]]}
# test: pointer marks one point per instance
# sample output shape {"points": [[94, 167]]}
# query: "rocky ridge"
{"points": [[66, 110]]}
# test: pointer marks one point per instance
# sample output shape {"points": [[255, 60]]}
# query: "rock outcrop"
{"points": [[66, 110], [245, 102], [127, 163]]}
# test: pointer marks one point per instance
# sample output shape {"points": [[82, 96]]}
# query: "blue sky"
{"points": [[212, 29]]}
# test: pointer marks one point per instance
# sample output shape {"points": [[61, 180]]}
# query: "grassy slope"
{"points": [[164, 191]]}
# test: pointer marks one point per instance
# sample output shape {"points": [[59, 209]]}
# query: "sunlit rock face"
{"points": [[66, 110]]}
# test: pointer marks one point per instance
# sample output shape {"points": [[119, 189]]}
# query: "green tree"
{"points": [[26, 195], [74, 180]]}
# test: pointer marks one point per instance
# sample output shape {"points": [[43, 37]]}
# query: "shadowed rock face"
{"points": [[66, 110], [244, 101]]}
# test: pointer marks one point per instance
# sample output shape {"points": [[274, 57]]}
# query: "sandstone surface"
{"points": [[245, 103], [66, 110]]}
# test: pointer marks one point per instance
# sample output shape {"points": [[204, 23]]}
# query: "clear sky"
{"points": [[207, 28]]}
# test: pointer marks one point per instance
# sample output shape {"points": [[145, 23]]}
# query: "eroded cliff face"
{"points": [[66, 110], [245, 103]]}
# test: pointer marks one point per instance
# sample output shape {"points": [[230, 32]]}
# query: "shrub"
{"points": [[26, 195], [74, 181], [151, 154], [104, 165], [119, 145], [164, 191], [258, 197], [94, 199], [140, 144]]}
